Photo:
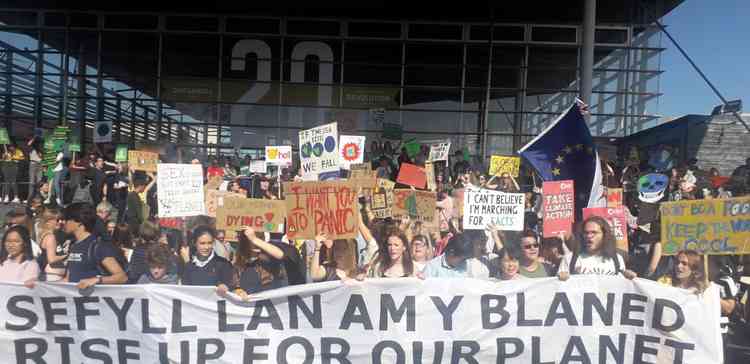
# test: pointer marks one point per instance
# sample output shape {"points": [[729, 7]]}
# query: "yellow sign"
{"points": [[712, 227], [500, 164]]}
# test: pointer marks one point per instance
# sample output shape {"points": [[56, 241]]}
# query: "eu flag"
{"points": [[565, 150]]}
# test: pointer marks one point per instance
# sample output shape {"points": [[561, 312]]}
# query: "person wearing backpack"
{"points": [[91, 261], [596, 255]]}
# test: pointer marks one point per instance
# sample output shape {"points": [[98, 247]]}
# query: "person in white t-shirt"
{"points": [[597, 253]]}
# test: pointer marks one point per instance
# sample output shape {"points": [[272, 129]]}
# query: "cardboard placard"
{"points": [[381, 203], [439, 152], [322, 207], [418, 205], [279, 155], [319, 151], [614, 197], [483, 207], [558, 206], [214, 199], [180, 190], [429, 170], [214, 182], [711, 227], [361, 170], [234, 213], [412, 175], [385, 183], [144, 161], [500, 164], [617, 221], [352, 150]]}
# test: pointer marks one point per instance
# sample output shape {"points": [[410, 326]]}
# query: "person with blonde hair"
{"points": [[54, 246], [687, 272]]}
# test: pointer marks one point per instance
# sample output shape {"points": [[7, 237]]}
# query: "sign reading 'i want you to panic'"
{"points": [[322, 207]]}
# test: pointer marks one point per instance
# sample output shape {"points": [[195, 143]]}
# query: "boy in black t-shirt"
{"points": [[91, 261]]}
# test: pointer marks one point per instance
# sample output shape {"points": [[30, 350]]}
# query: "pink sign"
{"points": [[617, 221], [558, 205]]}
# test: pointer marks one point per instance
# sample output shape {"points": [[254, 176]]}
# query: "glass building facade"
{"points": [[220, 83]]}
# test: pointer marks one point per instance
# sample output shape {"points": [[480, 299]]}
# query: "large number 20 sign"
{"points": [[259, 89]]}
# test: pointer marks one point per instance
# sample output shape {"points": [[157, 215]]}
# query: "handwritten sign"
{"points": [[483, 207], [180, 190], [233, 213], [352, 150], [361, 170], [558, 204], [279, 155], [214, 199], [417, 205], [319, 152], [381, 203], [502, 164], [321, 207], [258, 166], [617, 221], [412, 175], [143, 161], [712, 227], [439, 152]]}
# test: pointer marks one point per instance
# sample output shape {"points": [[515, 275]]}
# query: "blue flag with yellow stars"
{"points": [[566, 151]]}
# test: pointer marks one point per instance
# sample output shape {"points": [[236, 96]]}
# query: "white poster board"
{"points": [[319, 150], [483, 207], [439, 152], [352, 150], [180, 189], [258, 166], [280, 155]]}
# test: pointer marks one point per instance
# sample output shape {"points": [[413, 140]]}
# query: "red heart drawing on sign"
{"points": [[269, 216]]}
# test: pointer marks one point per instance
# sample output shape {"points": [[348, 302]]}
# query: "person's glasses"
{"points": [[531, 246]]}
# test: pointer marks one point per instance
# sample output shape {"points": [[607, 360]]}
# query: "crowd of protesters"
{"points": [[95, 222]]}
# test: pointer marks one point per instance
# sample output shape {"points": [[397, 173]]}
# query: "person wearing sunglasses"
{"points": [[530, 265]]}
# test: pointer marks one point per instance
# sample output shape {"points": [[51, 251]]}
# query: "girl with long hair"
{"points": [[394, 259], [687, 272], [258, 265], [53, 244]]}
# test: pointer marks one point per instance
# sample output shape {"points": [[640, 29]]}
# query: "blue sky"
{"points": [[716, 35]]}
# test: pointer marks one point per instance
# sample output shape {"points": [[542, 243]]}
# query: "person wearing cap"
{"points": [[456, 262]]}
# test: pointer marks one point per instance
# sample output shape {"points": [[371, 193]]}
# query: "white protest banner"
{"points": [[352, 150], [180, 190], [587, 319], [258, 166], [279, 155], [439, 152], [483, 207], [319, 150]]}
